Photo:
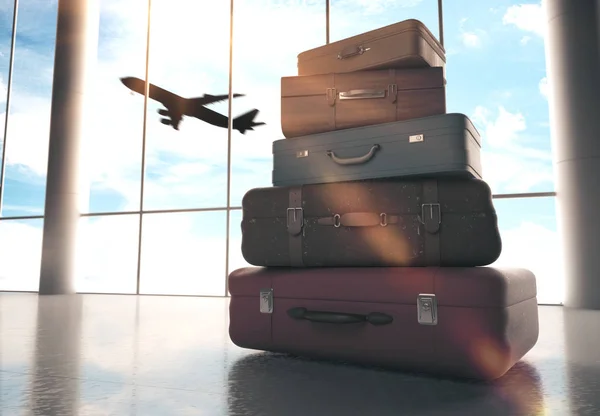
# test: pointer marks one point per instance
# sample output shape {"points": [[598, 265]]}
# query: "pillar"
{"points": [[75, 58], [573, 67]]}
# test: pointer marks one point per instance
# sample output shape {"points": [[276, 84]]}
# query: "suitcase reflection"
{"points": [[279, 384]]}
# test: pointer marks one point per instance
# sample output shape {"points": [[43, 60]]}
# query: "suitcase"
{"points": [[463, 322], [440, 145], [321, 103], [406, 44], [395, 222]]}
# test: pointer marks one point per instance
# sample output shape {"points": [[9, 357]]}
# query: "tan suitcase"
{"points": [[406, 44], [322, 103]]}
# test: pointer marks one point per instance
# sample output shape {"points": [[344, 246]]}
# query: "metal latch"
{"points": [[302, 153], [427, 309], [415, 138], [266, 301]]}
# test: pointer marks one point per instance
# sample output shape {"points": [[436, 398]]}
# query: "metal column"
{"points": [[75, 55], [573, 66]]}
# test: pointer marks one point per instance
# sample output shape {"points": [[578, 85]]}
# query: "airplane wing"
{"points": [[210, 99]]}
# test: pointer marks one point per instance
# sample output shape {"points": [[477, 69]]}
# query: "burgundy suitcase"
{"points": [[462, 322], [321, 103], [406, 44], [389, 222]]}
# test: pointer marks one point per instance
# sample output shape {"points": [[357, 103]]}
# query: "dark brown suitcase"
{"points": [[390, 222], [406, 44], [321, 103], [464, 322]]}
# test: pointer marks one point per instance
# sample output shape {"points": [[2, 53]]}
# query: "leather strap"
{"points": [[295, 225], [431, 217], [359, 219]]}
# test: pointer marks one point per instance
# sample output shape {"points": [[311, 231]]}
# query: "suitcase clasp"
{"points": [[266, 301], [295, 220], [427, 309], [432, 219]]}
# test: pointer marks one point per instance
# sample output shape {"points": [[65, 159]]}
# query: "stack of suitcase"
{"points": [[372, 245]]}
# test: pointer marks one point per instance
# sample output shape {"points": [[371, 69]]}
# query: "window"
{"points": [[186, 163], [183, 253], [113, 141], [268, 36], [107, 255], [29, 114], [530, 240], [20, 254]]}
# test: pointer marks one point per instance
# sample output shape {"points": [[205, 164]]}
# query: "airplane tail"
{"points": [[246, 122]]}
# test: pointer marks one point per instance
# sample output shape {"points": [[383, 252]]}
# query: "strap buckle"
{"points": [[295, 220], [433, 219]]}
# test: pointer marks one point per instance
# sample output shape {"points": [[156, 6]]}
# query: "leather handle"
{"points": [[359, 219], [374, 318], [362, 94], [354, 160], [352, 51]]}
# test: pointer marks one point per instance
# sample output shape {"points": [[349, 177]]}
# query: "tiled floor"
{"points": [[126, 355]]}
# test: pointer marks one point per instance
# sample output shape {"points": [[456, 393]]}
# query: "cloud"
{"points": [[525, 40], [366, 7], [544, 87], [509, 164], [530, 245], [526, 17], [470, 39]]}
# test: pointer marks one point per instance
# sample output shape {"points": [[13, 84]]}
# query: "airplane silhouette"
{"points": [[177, 107]]}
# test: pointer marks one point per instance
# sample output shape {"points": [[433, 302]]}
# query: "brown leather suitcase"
{"points": [[322, 103], [406, 44], [463, 322]]}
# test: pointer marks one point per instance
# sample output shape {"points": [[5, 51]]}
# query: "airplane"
{"points": [[177, 107]]}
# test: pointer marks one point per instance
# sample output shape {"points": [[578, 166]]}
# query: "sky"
{"points": [[495, 75]]}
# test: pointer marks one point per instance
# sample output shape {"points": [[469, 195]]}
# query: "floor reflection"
{"points": [[127, 355]]}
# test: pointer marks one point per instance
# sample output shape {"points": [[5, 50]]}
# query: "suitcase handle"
{"points": [[374, 318], [354, 160], [361, 94], [352, 51]]}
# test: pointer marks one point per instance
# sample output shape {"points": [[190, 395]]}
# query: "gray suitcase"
{"points": [[446, 145]]}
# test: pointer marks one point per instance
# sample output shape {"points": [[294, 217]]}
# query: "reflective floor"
{"points": [[127, 355]]}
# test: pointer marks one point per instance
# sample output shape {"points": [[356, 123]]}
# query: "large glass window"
{"points": [[20, 254], [530, 240], [107, 255], [29, 113], [183, 253], [113, 144], [495, 75], [186, 161], [267, 38]]}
